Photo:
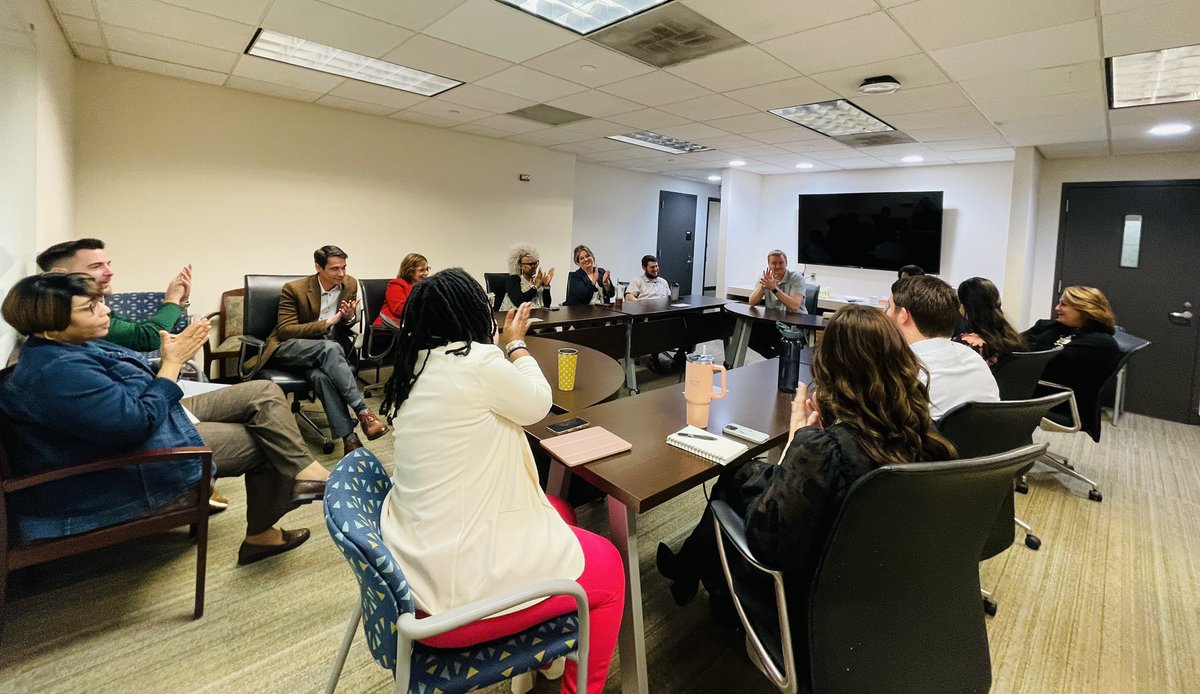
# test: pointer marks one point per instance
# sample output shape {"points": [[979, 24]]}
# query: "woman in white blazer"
{"points": [[466, 517]]}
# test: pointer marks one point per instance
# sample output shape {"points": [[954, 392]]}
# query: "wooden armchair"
{"points": [[225, 341], [193, 510]]}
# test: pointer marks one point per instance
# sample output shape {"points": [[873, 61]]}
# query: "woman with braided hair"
{"points": [[465, 517]]}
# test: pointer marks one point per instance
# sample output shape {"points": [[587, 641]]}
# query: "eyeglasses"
{"points": [[533, 264]]}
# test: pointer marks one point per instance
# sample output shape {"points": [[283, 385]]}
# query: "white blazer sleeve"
{"points": [[516, 391]]}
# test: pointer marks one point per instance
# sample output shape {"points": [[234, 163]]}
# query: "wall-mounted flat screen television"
{"points": [[878, 231]]}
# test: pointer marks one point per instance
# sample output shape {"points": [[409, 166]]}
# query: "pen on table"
{"points": [[698, 436]]}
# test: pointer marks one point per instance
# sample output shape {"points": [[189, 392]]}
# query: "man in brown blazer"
{"points": [[314, 332]]}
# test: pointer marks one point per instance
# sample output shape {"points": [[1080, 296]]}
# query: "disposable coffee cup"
{"points": [[568, 359]]}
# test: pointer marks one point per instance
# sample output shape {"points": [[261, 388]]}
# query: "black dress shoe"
{"points": [[683, 588], [250, 553], [350, 442], [307, 491]]}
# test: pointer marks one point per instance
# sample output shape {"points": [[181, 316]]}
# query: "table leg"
{"points": [[631, 643], [741, 338], [630, 369], [558, 480]]}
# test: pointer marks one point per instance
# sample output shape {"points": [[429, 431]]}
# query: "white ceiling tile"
{"points": [[244, 11], [913, 71], [272, 89], [1015, 86], [791, 133], [552, 136], [1142, 145], [1062, 45], [355, 105], [1055, 137], [526, 83], [730, 143], [446, 110], [595, 145], [137, 62], [951, 132], [446, 59], [944, 23], [807, 147], [979, 155], [377, 94], [511, 124], [486, 99], [867, 163], [655, 89], [176, 22], [749, 123], [569, 62], [80, 30], [169, 50], [1152, 28], [761, 151], [1084, 123], [333, 26], [596, 126], [411, 14], [648, 119], [1075, 149], [480, 130], [991, 141], [595, 103], [1134, 122], [78, 8], [265, 70], [424, 119], [1045, 106], [499, 30], [1118, 6], [951, 117], [733, 69], [914, 100], [95, 54], [691, 131], [867, 39], [768, 19], [708, 107]]}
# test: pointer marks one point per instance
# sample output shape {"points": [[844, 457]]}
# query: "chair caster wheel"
{"points": [[1068, 465], [989, 607], [1095, 495], [1021, 487], [1033, 542], [327, 447]]}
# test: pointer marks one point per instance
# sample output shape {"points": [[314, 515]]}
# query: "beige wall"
{"points": [[170, 172]]}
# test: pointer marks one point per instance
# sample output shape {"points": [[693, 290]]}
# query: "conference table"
{"points": [[598, 377], [654, 472], [650, 333], [747, 315], [555, 317]]}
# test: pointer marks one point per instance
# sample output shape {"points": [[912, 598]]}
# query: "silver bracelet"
{"points": [[514, 346]]}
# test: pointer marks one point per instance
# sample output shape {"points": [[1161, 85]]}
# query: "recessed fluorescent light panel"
{"points": [[833, 118], [645, 138], [316, 56], [583, 16], [1156, 77]]}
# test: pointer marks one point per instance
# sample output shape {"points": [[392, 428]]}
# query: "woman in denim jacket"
{"points": [[74, 398]]}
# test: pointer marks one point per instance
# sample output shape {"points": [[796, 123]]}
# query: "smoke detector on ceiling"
{"points": [[883, 84]]}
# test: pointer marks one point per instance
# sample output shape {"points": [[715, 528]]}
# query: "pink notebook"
{"points": [[585, 445]]}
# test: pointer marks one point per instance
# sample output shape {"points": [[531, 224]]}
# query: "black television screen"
{"points": [[879, 231]]}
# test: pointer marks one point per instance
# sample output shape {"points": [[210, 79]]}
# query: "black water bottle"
{"points": [[789, 357]]}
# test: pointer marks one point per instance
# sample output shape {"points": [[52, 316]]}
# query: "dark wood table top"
{"points": [[565, 316], [598, 376], [663, 306], [803, 320], [654, 471]]}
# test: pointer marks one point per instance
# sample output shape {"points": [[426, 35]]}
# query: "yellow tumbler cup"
{"points": [[567, 360]]}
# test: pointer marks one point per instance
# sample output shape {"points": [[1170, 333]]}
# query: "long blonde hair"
{"points": [[1092, 303]]}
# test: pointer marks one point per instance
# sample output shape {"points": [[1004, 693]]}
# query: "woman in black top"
{"points": [[526, 283], [589, 284], [1084, 328], [982, 326]]}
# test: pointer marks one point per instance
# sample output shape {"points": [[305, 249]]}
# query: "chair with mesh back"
{"points": [[354, 498], [378, 340], [893, 604], [1128, 344], [1018, 374]]}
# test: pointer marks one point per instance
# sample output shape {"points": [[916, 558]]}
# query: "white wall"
{"points": [[974, 223], [170, 171], [743, 237], [616, 215]]}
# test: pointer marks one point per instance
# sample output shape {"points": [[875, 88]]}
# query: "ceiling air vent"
{"points": [[667, 35], [891, 137], [550, 115]]}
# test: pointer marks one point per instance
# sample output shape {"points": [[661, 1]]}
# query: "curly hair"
{"points": [[870, 381], [518, 251], [981, 306], [1092, 303]]}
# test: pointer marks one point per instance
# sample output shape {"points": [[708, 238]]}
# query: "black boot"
{"points": [[683, 587]]}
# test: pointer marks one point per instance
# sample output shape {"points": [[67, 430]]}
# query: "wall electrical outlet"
{"points": [[524, 177]]}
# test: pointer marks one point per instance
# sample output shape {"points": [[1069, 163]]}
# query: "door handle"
{"points": [[1181, 317]]}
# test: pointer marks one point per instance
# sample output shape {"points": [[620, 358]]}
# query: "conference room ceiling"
{"points": [[979, 77]]}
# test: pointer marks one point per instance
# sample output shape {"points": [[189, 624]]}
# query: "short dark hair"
{"points": [[59, 252], [911, 271], [322, 255], [931, 302], [42, 303], [647, 259]]}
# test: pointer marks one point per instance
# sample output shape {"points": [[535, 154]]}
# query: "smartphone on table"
{"points": [[572, 424]]}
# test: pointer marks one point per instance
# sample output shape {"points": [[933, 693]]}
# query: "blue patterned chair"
{"points": [[138, 306], [354, 498]]}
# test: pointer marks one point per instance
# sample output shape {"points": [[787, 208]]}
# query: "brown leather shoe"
{"points": [[371, 425], [216, 503], [307, 491], [250, 553], [350, 442]]}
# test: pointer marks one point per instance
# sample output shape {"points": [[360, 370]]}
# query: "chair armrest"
{"points": [[417, 629], [125, 460], [734, 529], [378, 333], [251, 347], [1051, 425]]}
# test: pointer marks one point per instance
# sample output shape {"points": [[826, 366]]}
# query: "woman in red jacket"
{"points": [[413, 269]]}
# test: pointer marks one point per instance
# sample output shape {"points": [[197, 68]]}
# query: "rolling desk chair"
{"points": [[494, 283], [378, 340]]}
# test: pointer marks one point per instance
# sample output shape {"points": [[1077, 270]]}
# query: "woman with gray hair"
{"points": [[526, 283]]}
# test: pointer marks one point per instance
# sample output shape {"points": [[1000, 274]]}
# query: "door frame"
{"points": [[707, 239]]}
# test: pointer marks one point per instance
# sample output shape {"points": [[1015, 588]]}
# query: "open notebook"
{"points": [[712, 447], [584, 446]]}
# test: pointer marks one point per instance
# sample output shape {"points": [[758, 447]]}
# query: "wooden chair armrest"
{"points": [[124, 460]]}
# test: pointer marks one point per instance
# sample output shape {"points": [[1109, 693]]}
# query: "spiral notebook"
{"points": [[709, 446]]}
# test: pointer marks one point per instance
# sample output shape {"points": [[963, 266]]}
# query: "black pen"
{"points": [[698, 436]]}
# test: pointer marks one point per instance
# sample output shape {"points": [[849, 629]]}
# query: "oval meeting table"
{"points": [[598, 377]]}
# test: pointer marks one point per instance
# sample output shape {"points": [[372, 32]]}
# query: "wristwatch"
{"points": [[775, 290], [514, 346]]}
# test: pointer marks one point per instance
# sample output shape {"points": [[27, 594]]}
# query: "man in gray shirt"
{"points": [[778, 288], [647, 285]]}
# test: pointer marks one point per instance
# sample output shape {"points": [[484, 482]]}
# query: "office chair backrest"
{"points": [[812, 292], [1017, 374], [1128, 344], [494, 281], [373, 293], [262, 303], [894, 604]]}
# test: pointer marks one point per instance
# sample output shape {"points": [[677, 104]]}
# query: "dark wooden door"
{"points": [[1152, 299], [676, 238]]}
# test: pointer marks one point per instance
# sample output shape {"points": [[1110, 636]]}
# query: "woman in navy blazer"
{"points": [[589, 284]]}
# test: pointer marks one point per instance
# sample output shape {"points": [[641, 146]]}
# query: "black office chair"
{"points": [[989, 428], [894, 602], [812, 293], [378, 340], [259, 318], [1114, 390], [1018, 374], [494, 281]]}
